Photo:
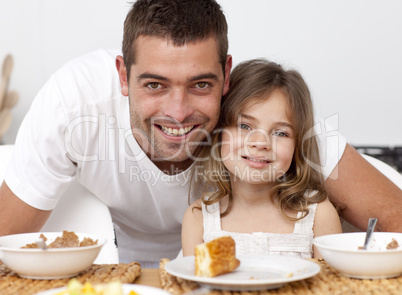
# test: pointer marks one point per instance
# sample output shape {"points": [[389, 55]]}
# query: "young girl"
{"points": [[262, 166]]}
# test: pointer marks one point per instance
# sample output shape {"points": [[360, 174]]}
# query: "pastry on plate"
{"points": [[216, 257]]}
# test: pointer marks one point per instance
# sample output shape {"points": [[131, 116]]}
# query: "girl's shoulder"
{"points": [[193, 212], [197, 204], [315, 196], [326, 207], [327, 220]]}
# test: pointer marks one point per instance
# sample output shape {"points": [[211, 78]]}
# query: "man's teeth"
{"points": [[258, 161], [176, 131]]}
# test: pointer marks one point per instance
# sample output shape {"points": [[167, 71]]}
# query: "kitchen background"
{"points": [[349, 52]]}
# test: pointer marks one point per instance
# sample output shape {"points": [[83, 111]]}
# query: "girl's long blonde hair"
{"points": [[252, 82]]}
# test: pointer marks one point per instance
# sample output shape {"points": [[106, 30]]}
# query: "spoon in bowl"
{"points": [[370, 228]]}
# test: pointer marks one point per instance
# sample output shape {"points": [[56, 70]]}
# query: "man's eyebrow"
{"points": [[204, 76], [162, 78], [151, 76]]}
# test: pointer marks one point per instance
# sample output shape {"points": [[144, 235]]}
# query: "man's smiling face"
{"points": [[175, 94]]}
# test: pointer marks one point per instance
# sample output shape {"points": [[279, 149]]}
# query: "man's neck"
{"points": [[173, 168]]}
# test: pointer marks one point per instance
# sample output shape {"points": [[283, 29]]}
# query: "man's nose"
{"points": [[178, 105]]}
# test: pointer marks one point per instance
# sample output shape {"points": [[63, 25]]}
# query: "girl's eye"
{"points": [[280, 133], [154, 85], [244, 126], [202, 85]]}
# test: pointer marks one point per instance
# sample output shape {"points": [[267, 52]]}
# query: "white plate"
{"points": [[140, 289], [256, 272]]}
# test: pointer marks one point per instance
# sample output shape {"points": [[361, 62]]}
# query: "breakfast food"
{"points": [[76, 288], [382, 246], [67, 240], [393, 244], [34, 245], [216, 257]]}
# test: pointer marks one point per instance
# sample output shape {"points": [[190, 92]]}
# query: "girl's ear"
{"points": [[122, 70], [228, 68]]}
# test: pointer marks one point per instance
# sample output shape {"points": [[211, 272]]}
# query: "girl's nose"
{"points": [[259, 139]]}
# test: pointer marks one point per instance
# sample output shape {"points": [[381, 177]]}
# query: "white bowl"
{"points": [[341, 252], [53, 263]]}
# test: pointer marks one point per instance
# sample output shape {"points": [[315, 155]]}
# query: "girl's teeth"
{"points": [[175, 131], [258, 161]]}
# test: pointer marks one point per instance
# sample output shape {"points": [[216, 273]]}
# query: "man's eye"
{"points": [[154, 85], [201, 85], [244, 126]]}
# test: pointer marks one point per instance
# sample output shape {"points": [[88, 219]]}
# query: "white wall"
{"points": [[44, 34], [350, 52]]}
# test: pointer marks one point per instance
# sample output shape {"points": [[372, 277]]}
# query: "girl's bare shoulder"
{"points": [[194, 210], [327, 220]]}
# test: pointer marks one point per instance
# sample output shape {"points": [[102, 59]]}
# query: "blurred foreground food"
{"points": [[76, 288]]}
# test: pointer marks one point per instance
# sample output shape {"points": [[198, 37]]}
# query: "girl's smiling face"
{"points": [[260, 148]]}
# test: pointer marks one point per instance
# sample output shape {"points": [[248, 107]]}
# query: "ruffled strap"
{"points": [[305, 225], [211, 219]]}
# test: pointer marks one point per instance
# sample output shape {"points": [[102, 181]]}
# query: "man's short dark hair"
{"points": [[180, 21]]}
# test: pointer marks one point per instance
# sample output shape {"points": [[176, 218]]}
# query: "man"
{"points": [[135, 153]]}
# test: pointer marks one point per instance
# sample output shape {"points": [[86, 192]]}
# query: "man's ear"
{"points": [[122, 70], [228, 68]]}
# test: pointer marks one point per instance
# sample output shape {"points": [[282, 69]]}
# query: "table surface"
{"points": [[127, 273], [328, 281], [149, 277]]}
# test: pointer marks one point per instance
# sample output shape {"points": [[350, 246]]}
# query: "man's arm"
{"points": [[17, 216], [361, 192]]}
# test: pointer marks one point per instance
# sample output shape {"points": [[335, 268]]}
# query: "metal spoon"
{"points": [[370, 228]]}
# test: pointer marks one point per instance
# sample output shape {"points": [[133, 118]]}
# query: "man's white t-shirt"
{"points": [[79, 126]]}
